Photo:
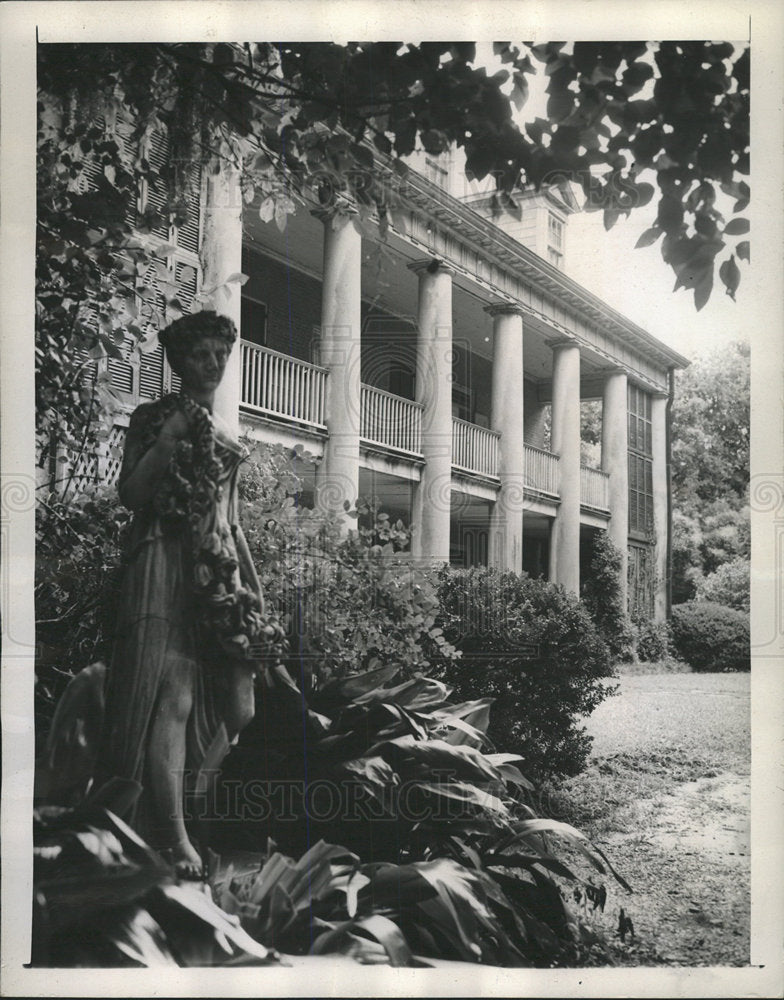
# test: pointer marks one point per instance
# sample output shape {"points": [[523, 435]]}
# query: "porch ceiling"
{"points": [[388, 282]]}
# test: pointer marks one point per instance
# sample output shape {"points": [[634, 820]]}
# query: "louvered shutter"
{"points": [[151, 385], [129, 145], [157, 156], [187, 237], [121, 371]]}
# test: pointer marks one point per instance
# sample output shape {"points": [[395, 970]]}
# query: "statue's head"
{"points": [[181, 338]]}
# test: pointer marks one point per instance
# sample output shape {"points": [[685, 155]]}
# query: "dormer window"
{"points": [[554, 232], [555, 240], [436, 173]]}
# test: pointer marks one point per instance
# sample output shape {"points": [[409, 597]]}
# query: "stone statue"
{"points": [[180, 685]]}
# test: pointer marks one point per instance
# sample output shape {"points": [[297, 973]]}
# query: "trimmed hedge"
{"points": [[711, 637]]}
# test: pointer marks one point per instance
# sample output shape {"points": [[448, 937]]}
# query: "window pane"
{"points": [[253, 321]]}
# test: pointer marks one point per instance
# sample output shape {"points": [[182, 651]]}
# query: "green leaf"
{"points": [[736, 227], [465, 762], [703, 287], [548, 861], [140, 938], [595, 855], [648, 237], [267, 209], [730, 276], [466, 794], [742, 250], [418, 693], [396, 885], [476, 713], [355, 687], [389, 935]]}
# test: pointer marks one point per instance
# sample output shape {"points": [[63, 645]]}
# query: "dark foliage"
{"points": [[103, 898], [653, 640], [534, 649], [399, 774], [601, 593], [443, 856], [342, 598], [730, 585], [79, 543], [710, 471]]}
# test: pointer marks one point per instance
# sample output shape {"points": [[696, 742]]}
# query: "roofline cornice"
{"points": [[540, 272]]}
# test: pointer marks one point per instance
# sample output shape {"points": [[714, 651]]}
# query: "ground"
{"points": [[666, 795]]}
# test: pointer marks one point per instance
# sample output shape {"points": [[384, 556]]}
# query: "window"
{"points": [[401, 380], [253, 321], [640, 461], [436, 173], [461, 402], [554, 232], [641, 581], [169, 284], [555, 240]]}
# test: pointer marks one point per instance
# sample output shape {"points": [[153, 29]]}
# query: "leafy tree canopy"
{"points": [[710, 426], [710, 467], [334, 123], [615, 110]]}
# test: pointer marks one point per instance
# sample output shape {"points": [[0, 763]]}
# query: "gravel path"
{"points": [[683, 845], [690, 874]]}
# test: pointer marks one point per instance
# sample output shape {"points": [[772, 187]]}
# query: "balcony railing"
{"points": [[594, 488], [474, 448], [540, 470], [390, 421], [281, 386]]}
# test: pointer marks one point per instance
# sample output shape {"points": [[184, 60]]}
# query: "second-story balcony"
{"points": [[294, 392], [594, 488], [391, 421], [474, 449], [540, 471], [277, 385]]}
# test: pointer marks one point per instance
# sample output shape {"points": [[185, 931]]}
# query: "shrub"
{"points": [[728, 585], [602, 595], [711, 636], [441, 840], [78, 545], [342, 598], [532, 647], [441, 858], [653, 640]]}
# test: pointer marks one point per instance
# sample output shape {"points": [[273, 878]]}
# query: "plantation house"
{"points": [[440, 368]]}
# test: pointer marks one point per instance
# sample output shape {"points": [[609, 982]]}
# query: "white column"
{"points": [[615, 462], [337, 477], [565, 442], [220, 257], [660, 503], [506, 416], [432, 498]]}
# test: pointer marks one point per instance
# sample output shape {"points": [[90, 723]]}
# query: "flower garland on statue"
{"points": [[189, 493]]}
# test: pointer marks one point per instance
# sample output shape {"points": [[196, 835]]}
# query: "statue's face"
{"points": [[203, 366]]}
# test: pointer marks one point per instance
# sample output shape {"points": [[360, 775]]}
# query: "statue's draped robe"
{"points": [[156, 632]]}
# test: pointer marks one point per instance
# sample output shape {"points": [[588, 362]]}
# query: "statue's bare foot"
{"points": [[187, 863]]}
